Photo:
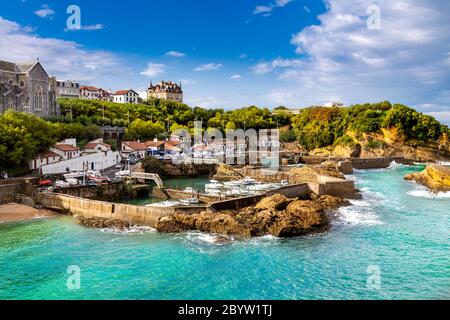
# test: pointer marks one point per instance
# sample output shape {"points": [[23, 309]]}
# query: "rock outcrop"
{"points": [[435, 177], [103, 223], [275, 215]]}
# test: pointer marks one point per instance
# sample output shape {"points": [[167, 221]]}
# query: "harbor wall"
{"points": [[25, 186], [165, 193], [109, 192], [377, 163], [137, 215]]}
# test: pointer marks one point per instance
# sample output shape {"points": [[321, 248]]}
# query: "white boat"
{"points": [[189, 201], [188, 189], [213, 186], [261, 187], [123, 173], [248, 181], [61, 184], [72, 181], [284, 182], [232, 183], [215, 193], [74, 175], [235, 192], [164, 204]]}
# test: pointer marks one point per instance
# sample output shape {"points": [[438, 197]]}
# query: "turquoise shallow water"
{"points": [[398, 227]]}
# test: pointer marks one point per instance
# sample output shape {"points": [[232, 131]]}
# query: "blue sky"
{"points": [[235, 53]]}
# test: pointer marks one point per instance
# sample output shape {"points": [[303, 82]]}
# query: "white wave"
{"points": [[129, 231], [359, 213], [423, 192], [214, 239]]}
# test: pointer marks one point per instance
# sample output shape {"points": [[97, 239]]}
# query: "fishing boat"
{"points": [[72, 181], [234, 183], [164, 204], [188, 189], [61, 184], [214, 185], [74, 175], [190, 201], [123, 173], [248, 181]]}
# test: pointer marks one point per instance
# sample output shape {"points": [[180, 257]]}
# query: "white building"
{"points": [[135, 148], [67, 89], [67, 149], [43, 159], [126, 96], [97, 146], [94, 161]]}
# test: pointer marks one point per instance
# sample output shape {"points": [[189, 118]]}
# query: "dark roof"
{"points": [[8, 66]]}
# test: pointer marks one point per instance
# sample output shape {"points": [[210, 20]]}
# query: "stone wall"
{"points": [[377, 163], [109, 192], [164, 193], [26, 186], [138, 215]]}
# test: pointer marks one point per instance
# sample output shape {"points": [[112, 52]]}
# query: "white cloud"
{"points": [[188, 82], [245, 56], [266, 67], [45, 12], [202, 101], [64, 59], [175, 54], [407, 61], [442, 116], [266, 10], [262, 9], [236, 77], [208, 67], [262, 68], [92, 27], [154, 69]]}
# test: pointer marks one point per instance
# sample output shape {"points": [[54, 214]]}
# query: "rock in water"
{"points": [[435, 177], [275, 215], [101, 223], [277, 202]]}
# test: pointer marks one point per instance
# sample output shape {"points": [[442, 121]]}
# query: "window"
{"points": [[10, 104]]}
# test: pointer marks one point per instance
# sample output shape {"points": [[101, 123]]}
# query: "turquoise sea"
{"points": [[398, 233]]}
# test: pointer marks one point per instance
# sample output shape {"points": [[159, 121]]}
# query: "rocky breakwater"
{"points": [[275, 215], [435, 177], [101, 223]]}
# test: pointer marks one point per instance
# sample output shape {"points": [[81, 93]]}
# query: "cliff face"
{"points": [[388, 143], [435, 177]]}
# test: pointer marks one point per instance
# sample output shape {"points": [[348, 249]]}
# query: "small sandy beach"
{"points": [[17, 212]]}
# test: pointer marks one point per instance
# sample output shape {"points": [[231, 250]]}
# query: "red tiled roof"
{"points": [[154, 143], [47, 154], [66, 147], [135, 145], [92, 145], [122, 92], [170, 145], [89, 88]]}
